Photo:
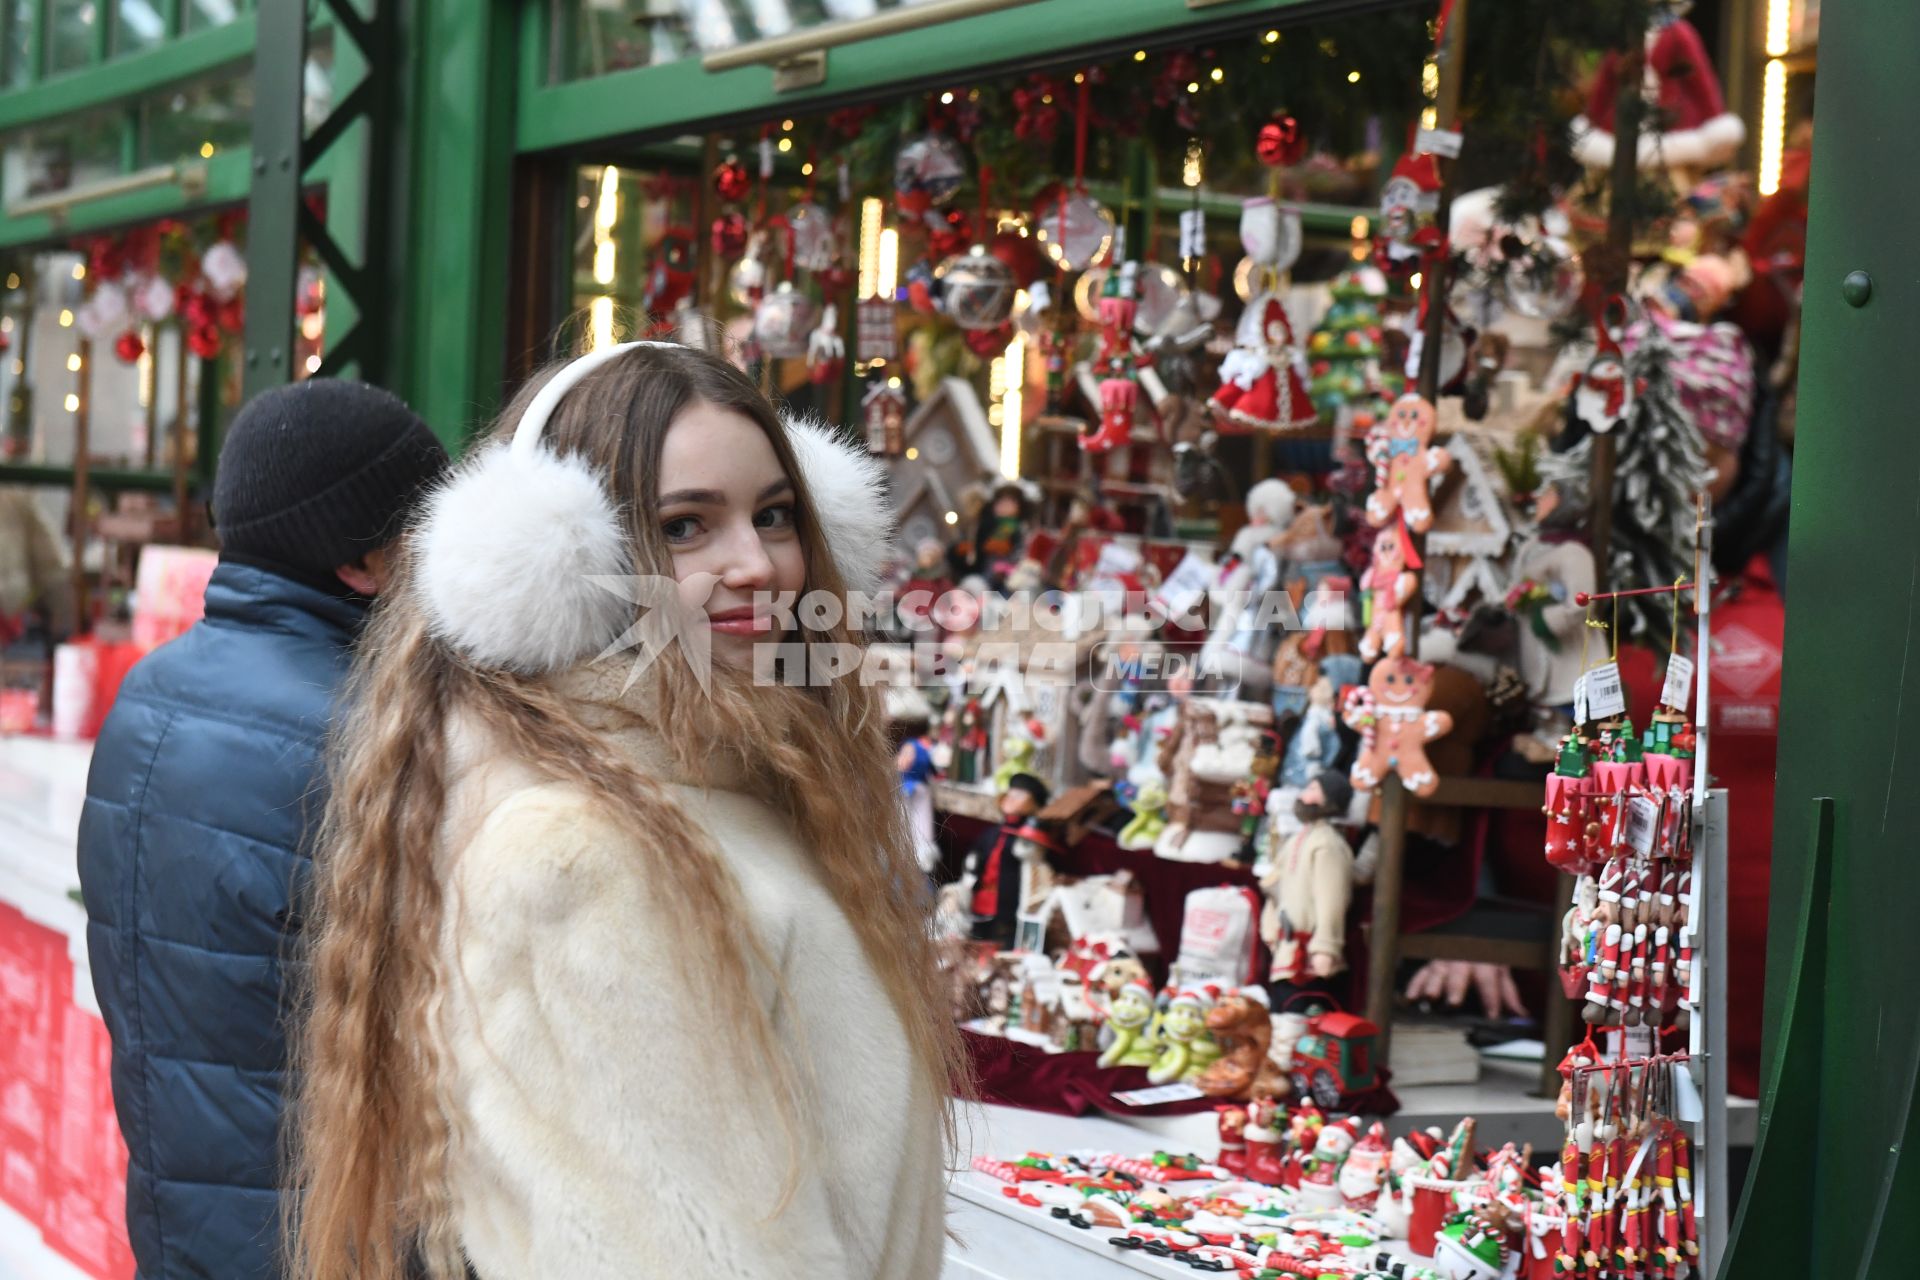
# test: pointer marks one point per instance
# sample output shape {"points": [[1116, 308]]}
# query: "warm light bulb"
{"points": [[603, 261], [206, 151], [1272, 37], [1218, 75], [73, 363], [1779, 24], [609, 209], [73, 403], [889, 267], [1773, 125], [1353, 77], [786, 144], [1415, 281], [79, 271], [602, 317], [1014, 375], [66, 319]]}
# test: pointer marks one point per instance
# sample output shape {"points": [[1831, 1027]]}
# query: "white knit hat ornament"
{"points": [[512, 545]]}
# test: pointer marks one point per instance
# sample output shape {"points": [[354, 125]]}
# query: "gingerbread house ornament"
{"points": [[1470, 535], [883, 412]]}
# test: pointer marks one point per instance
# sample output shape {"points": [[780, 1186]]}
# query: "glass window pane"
{"points": [[197, 118], [593, 37], [70, 38], [137, 25], [199, 15], [60, 154], [16, 17]]}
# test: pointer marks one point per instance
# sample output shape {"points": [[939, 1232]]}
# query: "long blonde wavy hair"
{"points": [[371, 1135]]}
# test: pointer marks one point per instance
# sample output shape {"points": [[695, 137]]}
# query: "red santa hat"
{"points": [[1692, 128]]}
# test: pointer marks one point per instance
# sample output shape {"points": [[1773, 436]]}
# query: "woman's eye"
{"points": [[680, 528], [780, 516]]}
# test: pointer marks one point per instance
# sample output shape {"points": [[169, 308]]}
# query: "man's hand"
{"points": [[1447, 981], [1322, 964]]}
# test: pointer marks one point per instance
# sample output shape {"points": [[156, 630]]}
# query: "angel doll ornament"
{"points": [[1263, 379]]}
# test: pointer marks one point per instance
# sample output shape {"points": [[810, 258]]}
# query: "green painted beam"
{"points": [[459, 140], [228, 178], [109, 481], [681, 94], [126, 77], [1845, 730]]}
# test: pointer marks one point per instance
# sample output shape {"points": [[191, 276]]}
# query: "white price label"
{"points": [[1679, 683], [1687, 1107], [1154, 1097], [1186, 586], [1643, 820], [1605, 696], [1441, 142], [1580, 701], [1636, 1042]]}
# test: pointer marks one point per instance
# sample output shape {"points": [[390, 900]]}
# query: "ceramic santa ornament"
{"points": [[1263, 379], [1690, 127], [1409, 212]]}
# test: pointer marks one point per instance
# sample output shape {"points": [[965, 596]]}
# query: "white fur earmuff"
{"points": [[510, 547]]}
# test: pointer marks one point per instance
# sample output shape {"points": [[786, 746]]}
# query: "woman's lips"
{"points": [[741, 622]]}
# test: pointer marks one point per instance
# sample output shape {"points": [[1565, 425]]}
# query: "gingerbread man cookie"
{"points": [[1395, 725], [1405, 461], [1390, 583]]}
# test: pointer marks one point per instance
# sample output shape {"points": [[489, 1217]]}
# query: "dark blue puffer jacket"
{"points": [[206, 780]]}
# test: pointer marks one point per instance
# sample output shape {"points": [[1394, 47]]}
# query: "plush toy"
{"points": [[1131, 1019], [1149, 816], [1405, 463], [1394, 724], [1390, 583], [1186, 1047], [1242, 1024]]}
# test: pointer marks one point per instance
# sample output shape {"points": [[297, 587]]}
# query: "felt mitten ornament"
{"points": [[1405, 463], [1395, 726], [1390, 582]]}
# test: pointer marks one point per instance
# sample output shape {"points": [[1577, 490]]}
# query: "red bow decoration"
{"points": [[1281, 143]]}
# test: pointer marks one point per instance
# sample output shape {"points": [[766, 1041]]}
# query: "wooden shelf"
{"points": [[1486, 793]]}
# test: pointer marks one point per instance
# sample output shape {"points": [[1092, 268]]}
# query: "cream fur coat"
{"points": [[603, 1130]]}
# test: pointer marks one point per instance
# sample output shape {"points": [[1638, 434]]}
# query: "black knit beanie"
{"points": [[315, 474]]}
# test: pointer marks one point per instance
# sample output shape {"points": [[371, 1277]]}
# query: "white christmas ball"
{"points": [[1076, 235], [813, 242], [782, 321], [155, 299], [106, 314], [977, 289], [747, 280], [225, 271]]}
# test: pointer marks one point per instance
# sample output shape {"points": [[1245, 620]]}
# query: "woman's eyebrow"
{"points": [[781, 485], [701, 497]]}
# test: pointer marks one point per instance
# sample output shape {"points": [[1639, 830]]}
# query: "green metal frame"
{"points": [[650, 99], [1833, 1188]]}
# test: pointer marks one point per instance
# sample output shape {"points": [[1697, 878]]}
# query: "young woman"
{"points": [[622, 975]]}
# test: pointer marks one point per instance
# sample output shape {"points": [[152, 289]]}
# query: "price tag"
{"points": [[1643, 821], [1687, 1107], [1186, 586], [1605, 696], [1580, 701], [1636, 1042], [1441, 142], [1679, 683], [1154, 1097]]}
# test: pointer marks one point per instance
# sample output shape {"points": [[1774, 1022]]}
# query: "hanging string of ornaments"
{"points": [[192, 274]]}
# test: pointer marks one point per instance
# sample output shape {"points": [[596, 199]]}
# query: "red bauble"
{"points": [[730, 180], [1281, 144], [949, 235], [920, 297], [129, 347], [204, 341], [986, 343], [195, 309], [1020, 253], [231, 316], [729, 236]]}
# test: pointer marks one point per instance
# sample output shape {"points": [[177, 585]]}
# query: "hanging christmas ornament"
{"points": [[106, 312], [729, 236], [155, 299], [1281, 143], [129, 347], [922, 290], [782, 321], [204, 341], [1603, 393], [1018, 250], [987, 343], [1546, 281], [1031, 319], [1263, 379], [814, 244], [1454, 342], [826, 351], [949, 231], [231, 316], [1409, 204], [1074, 233], [747, 280], [1270, 233], [225, 270], [731, 180], [1163, 304], [1119, 393], [670, 276], [1087, 291], [977, 288], [928, 171]]}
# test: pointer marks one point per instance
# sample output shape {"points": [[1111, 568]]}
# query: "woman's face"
{"points": [[728, 515]]}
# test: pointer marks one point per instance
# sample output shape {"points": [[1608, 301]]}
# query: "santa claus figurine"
{"points": [[1688, 127], [1263, 379]]}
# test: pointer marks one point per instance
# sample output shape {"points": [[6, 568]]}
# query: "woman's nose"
{"points": [[743, 561]]}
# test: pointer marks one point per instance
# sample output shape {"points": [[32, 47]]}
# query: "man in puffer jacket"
{"points": [[206, 782]]}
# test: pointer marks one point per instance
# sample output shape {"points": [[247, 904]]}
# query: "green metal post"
{"points": [[1845, 731], [279, 62]]}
